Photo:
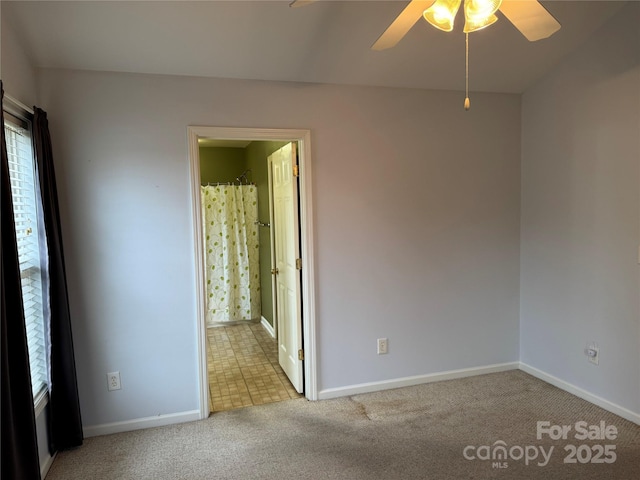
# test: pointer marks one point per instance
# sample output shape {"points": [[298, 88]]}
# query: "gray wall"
{"points": [[18, 76], [416, 220], [580, 216]]}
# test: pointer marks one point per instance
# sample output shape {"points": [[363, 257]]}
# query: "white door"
{"points": [[287, 252]]}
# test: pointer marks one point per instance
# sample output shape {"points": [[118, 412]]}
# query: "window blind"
{"points": [[23, 191]]}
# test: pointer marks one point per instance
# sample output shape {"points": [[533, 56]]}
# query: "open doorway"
{"points": [[252, 352], [296, 138]]}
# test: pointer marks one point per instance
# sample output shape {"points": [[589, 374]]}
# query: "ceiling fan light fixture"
{"points": [[480, 14], [442, 14], [475, 25]]}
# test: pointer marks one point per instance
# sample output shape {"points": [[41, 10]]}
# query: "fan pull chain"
{"points": [[466, 78]]}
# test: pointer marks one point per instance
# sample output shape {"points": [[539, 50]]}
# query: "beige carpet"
{"points": [[417, 432]]}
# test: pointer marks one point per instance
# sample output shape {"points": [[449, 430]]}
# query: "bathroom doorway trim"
{"points": [[303, 138]]}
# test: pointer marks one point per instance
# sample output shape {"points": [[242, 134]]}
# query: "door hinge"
{"points": [[299, 263], [295, 170], [301, 354]]}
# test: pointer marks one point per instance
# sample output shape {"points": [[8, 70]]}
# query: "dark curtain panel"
{"points": [[19, 442], [65, 429]]}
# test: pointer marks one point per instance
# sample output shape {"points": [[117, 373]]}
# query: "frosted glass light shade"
{"points": [[442, 14], [479, 14]]}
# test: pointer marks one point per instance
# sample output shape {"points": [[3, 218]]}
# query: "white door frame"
{"points": [[303, 137]]}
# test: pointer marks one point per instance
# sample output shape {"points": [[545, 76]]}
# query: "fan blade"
{"points": [[402, 24], [531, 18], [300, 3]]}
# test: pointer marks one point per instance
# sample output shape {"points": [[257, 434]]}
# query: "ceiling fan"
{"points": [[528, 16]]}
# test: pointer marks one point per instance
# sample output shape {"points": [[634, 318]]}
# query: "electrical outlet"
{"points": [[383, 346], [593, 353], [113, 381]]}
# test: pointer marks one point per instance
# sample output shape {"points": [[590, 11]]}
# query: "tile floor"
{"points": [[242, 362]]}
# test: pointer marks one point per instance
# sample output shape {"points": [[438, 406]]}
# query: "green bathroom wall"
{"points": [[221, 164], [256, 155]]}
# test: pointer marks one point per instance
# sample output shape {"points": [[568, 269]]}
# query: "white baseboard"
{"points": [[579, 392], [140, 423], [45, 464], [193, 415], [416, 380], [267, 326]]}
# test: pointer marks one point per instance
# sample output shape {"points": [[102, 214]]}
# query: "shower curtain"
{"points": [[229, 214]]}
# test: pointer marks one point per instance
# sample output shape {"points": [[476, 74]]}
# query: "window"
{"points": [[25, 210]]}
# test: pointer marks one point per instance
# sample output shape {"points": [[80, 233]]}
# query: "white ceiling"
{"points": [[324, 42]]}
